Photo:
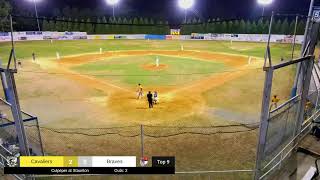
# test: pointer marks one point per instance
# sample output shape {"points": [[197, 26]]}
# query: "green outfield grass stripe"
{"points": [[44, 49]]}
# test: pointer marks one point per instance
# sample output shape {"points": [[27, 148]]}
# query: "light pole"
{"points": [[264, 3], [113, 3], [36, 11], [185, 4]]}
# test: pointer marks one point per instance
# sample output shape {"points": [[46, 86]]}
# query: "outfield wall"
{"points": [[35, 36]]}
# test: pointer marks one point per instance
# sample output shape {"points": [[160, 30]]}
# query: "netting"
{"points": [[281, 133], [281, 129], [206, 147], [8, 134]]}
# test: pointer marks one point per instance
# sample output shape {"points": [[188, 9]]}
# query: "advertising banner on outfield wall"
{"points": [[155, 37], [136, 36], [172, 37], [100, 36], [96, 37], [35, 35], [248, 37], [168, 37], [120, 37], [110, 37], [197, 36], [185, 37], [5, 36]]}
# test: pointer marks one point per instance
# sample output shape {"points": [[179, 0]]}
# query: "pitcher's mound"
{"points": [[153, 67]]}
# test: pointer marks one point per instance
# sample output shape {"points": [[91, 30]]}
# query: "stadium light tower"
{"points": [[185, 4], [264, 3], [113, 3], [36, 10]]}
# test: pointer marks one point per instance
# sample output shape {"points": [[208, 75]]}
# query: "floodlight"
{"points": [[186, 4], [36, 11], [112, 2], [265, 2]]}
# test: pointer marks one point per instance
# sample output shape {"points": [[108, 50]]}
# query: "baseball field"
{"points": [[209, 98]]}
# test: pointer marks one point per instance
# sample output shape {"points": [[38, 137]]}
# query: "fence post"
{"points": [[295, 36], [264, 121], [16, 113], [142, 144], [305, 91], [40, 139], [317, 101]]}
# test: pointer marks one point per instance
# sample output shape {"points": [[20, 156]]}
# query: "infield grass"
{"points": [[132, 70]]}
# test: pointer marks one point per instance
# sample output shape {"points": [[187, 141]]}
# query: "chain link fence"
{"points": [[281, 137], [196, 148], [281, 130]]}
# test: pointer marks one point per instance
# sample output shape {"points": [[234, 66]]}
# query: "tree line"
{"points": [[150, 26], [95, 22], [243, 26], [109, 25], [5, 9]]}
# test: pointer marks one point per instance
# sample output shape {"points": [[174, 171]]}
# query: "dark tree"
{"points": [[242, 27], [291, 27], [235, 27], [248, 27], [230, 27], [82, 26], [69, 24], [46, 26], [284, 29], [260, 27], [89, 26], [59, 25], [105, 28], [301, 27], [276, 28], [52, 25], [135, 27], [75, 25], [5, 9]]}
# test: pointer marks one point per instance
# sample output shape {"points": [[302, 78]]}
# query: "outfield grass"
{"points": [[44, 49], [132, 70]]}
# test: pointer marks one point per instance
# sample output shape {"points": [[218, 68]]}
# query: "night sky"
{"points": [[168, 9]]}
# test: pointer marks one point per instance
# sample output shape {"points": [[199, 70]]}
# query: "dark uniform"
{"points": [[33, 56], [150, 99]]}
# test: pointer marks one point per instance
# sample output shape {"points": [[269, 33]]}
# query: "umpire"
{"points": [[150, 99]]}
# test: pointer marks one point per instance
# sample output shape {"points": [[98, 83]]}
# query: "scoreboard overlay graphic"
{"points": [[54, 165]]}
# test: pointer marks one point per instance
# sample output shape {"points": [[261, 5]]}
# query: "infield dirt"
{"points": [[175, 101]]}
